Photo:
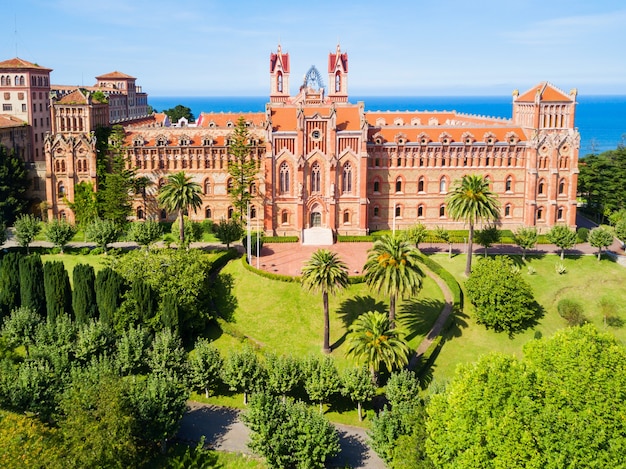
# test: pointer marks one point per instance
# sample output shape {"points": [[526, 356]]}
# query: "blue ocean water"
{"points": [[601, 119]]}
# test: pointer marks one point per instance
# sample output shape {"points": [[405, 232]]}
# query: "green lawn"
{"points": [[586, 281], [71, 260]]}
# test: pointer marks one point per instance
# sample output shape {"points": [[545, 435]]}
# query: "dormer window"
{"points": [[378, 141], [207, 142], [138, 142], [185, 141], [161, 141], [229, 124], [212, 125]]}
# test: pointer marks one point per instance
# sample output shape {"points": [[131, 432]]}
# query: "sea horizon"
{"points": [[600, 119]]}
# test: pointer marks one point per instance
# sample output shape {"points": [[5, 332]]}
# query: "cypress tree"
{"points": [[109, 288], [170, 312], [145, 300], [32, 292], [9, 283], [57, 288], [84, 293]]}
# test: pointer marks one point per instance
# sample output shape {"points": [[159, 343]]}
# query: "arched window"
{"points": [[540, 213], [442, 210], [253, 188], [140, 214], [507, 210], [562, 187], [283, 185], [443, 185], [316, 178], [420, 185], [376, 212], [207, 213], [62, 215], [346, 179], [420, 211], [280, 82], [540, 187], [399, 185], [346, 217], [398, 211], [230, 184], [337, 82], [284, 217], [559, 213], [376, 186], [207, 186], [508, 185], [231, 212], [61, 190], [253, 212]]}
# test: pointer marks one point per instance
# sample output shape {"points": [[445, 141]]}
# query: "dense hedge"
{"points": [[222, 258], [270, 275], [280, 239]]}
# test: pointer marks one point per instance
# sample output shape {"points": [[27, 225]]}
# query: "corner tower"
{"points": [[279, 76], [338, 76]]}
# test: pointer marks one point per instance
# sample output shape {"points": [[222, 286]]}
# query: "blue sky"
{"points": [[411, 47]]}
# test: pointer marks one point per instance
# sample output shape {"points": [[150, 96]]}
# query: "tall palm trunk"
{"points": [[326, 347], [181, 228], [392, 311], [470, 247]]}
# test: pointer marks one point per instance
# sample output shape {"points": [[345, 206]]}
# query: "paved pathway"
{"points": [[224, 431]]}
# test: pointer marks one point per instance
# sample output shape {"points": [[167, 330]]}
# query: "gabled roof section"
{"points": [[279, 59], [75, 97], [21, 63], [338, 58], [546, 92], [115, 76], [7, 120]]}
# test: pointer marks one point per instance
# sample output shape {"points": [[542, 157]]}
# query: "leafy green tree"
{"points": [[179, 111], [145, 301], [95, 339], [110, 287], [417, 234], [205, 364], [358, 385], [373, 342], [242, 167], [525, 238], [84, 294], [321, 379], [30, 387], [243, 372], [3, 233], [85, 204], [392, 268], [534, 412], [159, 403], [563, 237], [444, 236], [600, 238], [284, 373], [55, 342], [9, 283], [488, 236], [13, 186], [402, 386], [193, 231], [145, 233], [167, 355], [27, 227], [620, 231], [132, 350], [501, 297], [59, 233], [169, 313], [228, 231], [472, 201], [102, 232], [139, 185], [20, 327], [289, 434], [328, 274], [32, 292], [114, 192], [57, 289], [180, 194]]}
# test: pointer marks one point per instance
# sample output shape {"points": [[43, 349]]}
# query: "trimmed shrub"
{"points": [[84, 294], [57, 289], [32, 292], [582, 234], [571, 311]]}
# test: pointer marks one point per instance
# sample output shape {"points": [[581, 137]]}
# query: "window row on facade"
{"points": [[460, 160]]}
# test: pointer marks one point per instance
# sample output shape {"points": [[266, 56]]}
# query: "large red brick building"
{"points": [[325, 162]]}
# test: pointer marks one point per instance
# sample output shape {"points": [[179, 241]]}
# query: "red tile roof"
{"points": [[75, 97], [10, 121], [221, 119], [21, 63], [546, 92], [115, 76]]}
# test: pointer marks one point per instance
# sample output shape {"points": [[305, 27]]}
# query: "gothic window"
{"points": [[346, 180], [280, 82], [507, 210], [316, 178], [284, 217], [399, 185], [140, 214], [253, 188], [207, 213], [559, 213], [443, 185], [420, 185], [253, 212], [541, 187], [284, 178], [442, 210], [61, 190], [207, 186], [562, 187], [376, 212], [346, 217], [230, 184], [508, 185], [231, 212], [540, 213], [420, 211], [376, 186], [337, 82], [398, 211]]}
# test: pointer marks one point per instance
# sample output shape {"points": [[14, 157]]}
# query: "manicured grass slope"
{"points": [[586, 281]]}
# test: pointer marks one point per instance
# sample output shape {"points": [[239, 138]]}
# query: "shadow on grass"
{"points": [[418, 316], [351, 309], [212, 422], [353, 451], [223, 301]]}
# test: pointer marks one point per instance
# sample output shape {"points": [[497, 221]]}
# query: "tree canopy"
{"points": [[13, 186], [242, 167], [179, 111]]}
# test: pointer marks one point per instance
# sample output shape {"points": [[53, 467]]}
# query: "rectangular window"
{"points": [[7, 107], [23, 107]]}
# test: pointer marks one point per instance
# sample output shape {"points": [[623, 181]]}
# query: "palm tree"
{"points": [[327, 273], [471, 200], [179, 193], [392, 268], [372, 341]]}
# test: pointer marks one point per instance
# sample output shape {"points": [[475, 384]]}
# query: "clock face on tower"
{"points": [[316, 135]]}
